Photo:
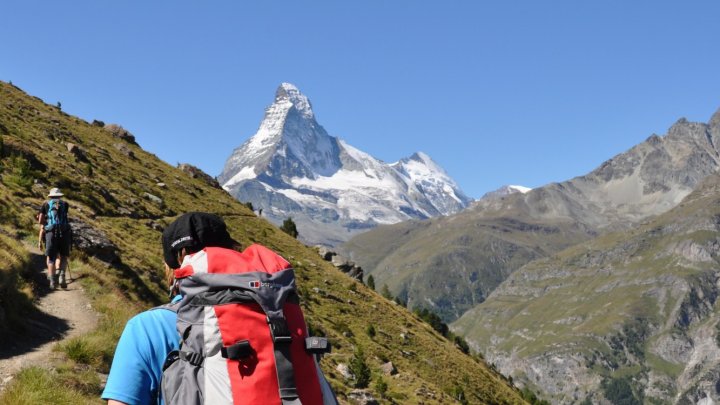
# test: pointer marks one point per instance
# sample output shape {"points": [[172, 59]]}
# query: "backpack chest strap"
{"points": [[196, 359], [282, 340]]}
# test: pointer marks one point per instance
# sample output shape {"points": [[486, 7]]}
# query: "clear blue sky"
{"points": [[497, 92]]}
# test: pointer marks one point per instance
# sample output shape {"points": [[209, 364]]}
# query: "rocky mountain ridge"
{"points": [[636, 306], [505, 191], [479, 247], [293, 168]]}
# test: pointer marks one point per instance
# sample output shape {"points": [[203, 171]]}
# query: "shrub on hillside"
{"points": [[461, 344], [381, 387], [370, 331], [530, 397], [620, 392], [458, 394], [433, 320], [20, 173]]}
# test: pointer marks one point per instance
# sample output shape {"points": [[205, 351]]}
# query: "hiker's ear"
{"points": [[169, 275], [181, 256]]}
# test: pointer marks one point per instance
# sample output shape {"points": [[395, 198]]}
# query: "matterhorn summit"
{"points": [[292, 167]]}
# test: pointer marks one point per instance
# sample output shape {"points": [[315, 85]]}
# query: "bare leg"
{"points": [[62, 265], [51, 273]]}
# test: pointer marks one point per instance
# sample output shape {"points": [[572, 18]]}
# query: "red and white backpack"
{"points": [[243, 334]]}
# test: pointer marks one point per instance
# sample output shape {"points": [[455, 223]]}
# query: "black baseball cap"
{"points": [[194, 231]]}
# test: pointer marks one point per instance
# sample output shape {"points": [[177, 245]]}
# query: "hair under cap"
{"points": [[195, 231]]}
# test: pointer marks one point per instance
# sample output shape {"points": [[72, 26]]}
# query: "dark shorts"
{"points": [[57, 245]]}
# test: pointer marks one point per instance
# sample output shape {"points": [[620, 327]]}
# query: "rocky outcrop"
{"points": [[388, 368], [152, 197], [341, 263], [344, 371], [123, 148], [362, 397], [120, 132], [93, 242], [76, 151], [197, 173]]}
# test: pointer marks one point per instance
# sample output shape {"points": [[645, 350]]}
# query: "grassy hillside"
{"points": [[451, 264], [129, 195], [633, 312]]}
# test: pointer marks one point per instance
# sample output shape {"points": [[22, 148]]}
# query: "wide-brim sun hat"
{"points": [[55, 192]]}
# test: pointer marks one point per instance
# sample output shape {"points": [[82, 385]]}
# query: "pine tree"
{"points": [[371, 282], [289, 227], [386, 292], [381, 387], [360, 369]]}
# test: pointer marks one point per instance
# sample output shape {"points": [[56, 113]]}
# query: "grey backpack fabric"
{"points": [[243, 337]]}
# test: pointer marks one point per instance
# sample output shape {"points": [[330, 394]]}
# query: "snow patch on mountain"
{"points": [[506, 190], [520, 189], [246, 173]]}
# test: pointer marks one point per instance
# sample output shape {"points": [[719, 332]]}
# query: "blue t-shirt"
{"points": [[137, 366]]}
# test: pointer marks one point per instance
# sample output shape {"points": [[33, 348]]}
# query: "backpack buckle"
{"points": [[196, 359], [279, 330], [239, 350], [317, 345]]}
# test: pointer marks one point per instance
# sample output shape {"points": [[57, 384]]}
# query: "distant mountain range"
{"points": [[594, 289], [598, 289], [293, 168], [636, 308], [451, 264]]}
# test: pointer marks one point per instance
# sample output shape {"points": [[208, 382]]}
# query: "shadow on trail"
{"points": [[40, 328]]}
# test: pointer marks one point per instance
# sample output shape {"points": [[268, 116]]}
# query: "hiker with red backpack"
{"points": [[55, 230], [233, 333]]}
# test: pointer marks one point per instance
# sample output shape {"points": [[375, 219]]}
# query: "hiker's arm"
{"points": [[130, 381], [41, 231], [114, 402]]}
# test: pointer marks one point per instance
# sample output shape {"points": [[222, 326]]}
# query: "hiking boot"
{"points": [[63, 284], [54, 282]]}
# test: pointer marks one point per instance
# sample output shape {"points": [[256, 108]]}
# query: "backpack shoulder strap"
{"points": [[170, 306], [50, 215]]}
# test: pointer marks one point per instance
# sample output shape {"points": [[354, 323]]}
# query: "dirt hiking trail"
{"points": [[62, 314]]}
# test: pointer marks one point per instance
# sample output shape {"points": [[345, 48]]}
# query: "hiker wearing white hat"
{"points": [[55, 230]]}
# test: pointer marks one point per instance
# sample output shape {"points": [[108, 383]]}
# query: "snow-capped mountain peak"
{"points": [[289, 93], [293, 168], [430, 178], [506, 190], [422, 163]]}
